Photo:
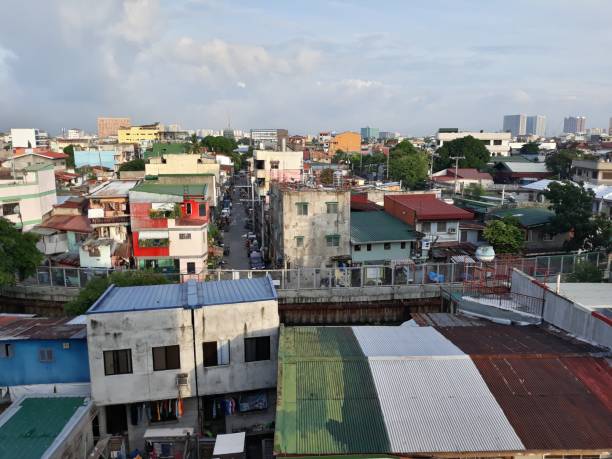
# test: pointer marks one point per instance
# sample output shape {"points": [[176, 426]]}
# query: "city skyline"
{"points": [[200, 62]]}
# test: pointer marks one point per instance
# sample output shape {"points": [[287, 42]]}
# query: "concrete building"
{"points": [[268, 138], [498, 143], [370, 133], [515, 124], [109, 127], [592, 172], [280, 166], [461, 178], [536, 125], [574, 125], [147, 133], [193, 355], [24, 157], [170, 227], [29, 196], [29, 138], [348, 142], [610, 127], [309, 227]]}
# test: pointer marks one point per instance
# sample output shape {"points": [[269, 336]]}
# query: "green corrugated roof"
{"points": [[327, 401], [176, 190], [166, 149], [527, 216], [378, 226], [36, 424]]}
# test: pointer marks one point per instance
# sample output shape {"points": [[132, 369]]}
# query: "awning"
{"points": [[168, 432], [153, 235]]}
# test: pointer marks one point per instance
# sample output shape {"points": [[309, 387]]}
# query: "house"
{"points": [[437, 220], [377, 238], [533, 222], [50, 427], [534, 192], [460, 179], [280, 166], [42, 356], [498, 143], [602, 203], [441, 386], [196, 355], [28, 196], [170, 227], [24, 157], [520, 172], [309, 226], [595, 172], [348, 142]]}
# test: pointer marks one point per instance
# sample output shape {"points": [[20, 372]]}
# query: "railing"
{"points": [[506, 300]]}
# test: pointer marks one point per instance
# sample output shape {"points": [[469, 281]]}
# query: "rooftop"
{"points": [[590, 295], [113, 189], [44, 154], [528, 217], [75, 223], [462, 173], [378, 226], [38, 328], [428, 207], [187, 295], [524, 167], [34, 426], [174, 190]]}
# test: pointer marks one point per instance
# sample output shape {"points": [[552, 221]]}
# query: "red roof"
{"points": [[43, 153], [62, 175], [76, 223], [428, 207], [360, 202]]}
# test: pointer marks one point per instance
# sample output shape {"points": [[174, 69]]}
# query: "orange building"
{"points": [[109, 126], [348, 142]]}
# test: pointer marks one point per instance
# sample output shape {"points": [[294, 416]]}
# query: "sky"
{"points": [[306, 65]]}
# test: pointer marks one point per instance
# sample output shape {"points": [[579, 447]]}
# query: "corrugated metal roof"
{"points": [[595, 373], [548, 406], [37, 328], [404, 342], [113, 189], [527, 216], [523, 167], [117, 299], [175, 190], [444, 319], [379, 227], [440, 405]]}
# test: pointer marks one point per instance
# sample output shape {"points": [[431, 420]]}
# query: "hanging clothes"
{"points": [[134, 414]]}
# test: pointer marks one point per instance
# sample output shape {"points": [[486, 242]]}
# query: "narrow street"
{"points": [[237, 259]]}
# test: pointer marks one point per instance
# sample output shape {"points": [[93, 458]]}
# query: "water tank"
{"points": [[485, 253]]}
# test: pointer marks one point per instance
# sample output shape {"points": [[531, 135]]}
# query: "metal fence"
{"points": [[544, 268]]}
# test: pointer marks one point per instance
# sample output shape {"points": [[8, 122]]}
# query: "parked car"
{"points": [[256, 261], [226, 213]]}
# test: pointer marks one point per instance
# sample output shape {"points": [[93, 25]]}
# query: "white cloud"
{"points": [[140, 21], [241, 84]]}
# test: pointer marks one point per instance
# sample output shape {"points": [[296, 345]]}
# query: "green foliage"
{"points": [[475, 190], [560, 163], [600, 236], [530, 148], [408, 164], [504, 235], [402, 148], [69, 150], [327, 177], [18, 253], [134, 165], [219, 144], [213, 232], [340, 156], [585, 272], [473, 150], [98, 285]]}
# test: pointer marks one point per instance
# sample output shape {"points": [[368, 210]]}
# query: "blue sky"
{"points": [[407, 66]]}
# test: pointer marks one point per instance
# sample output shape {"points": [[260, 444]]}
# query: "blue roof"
{"points": [[191, 294]]}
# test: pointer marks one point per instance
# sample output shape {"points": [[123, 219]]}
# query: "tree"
{"points": [[560, 163], [18, 253], [219, 144], [600, 236], [475, 190], [530, 148], [194, 144], [134, 165], [404, 147], [473, 150], [98, 285], [585, 272], [339, 156], [504, 235], [573, 210], [408, 164], [327, 176], [69, 150]]}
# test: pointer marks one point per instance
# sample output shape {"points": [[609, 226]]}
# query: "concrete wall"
{"points": [[181, 164], [101, 261], [378, 252], [76, 441]]}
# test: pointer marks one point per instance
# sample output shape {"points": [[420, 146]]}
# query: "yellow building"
{"points": [[349, 142], [136, 134]]}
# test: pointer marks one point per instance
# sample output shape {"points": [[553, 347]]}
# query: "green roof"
{"points": [[175, 190], [35, 425], [527, 216], [378, 226], [166, 149], [327, 400]]}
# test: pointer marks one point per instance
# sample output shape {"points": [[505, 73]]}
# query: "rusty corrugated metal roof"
{"points": [[596, 374], [444, 319], [546, 403], [43, 329]]}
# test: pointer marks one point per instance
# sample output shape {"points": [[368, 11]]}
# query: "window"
{"points": [[302, 208], [387, 246], [6, 351], [333, 240], [257, 349], [547, 237], [441, 227], [10, 208], [166, 358], [216, 353], [202, 210], [184, 235], [426, 227], [299, 241], [45, 355], [357, 248], [274, 164], [191, 267], [188, 208], [369, 247], [402, 245], [497, 142], [486, 142], [117, 362], [332, 207]]}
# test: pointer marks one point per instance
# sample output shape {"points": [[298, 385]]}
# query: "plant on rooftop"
{"points": [[585, 272], [327, 177], [134, 165], [504, 235], [18, 253]]}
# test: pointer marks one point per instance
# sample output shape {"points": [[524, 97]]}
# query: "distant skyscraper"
{"points": [[110, 126], [610, 127], [515, 124], [536, 125], [574, 124], [369, 133]]}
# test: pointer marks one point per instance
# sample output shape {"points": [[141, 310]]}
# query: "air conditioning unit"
{"points": [[425, 245], [182, 380], [452, 230]]}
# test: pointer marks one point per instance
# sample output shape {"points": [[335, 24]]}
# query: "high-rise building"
{"points": [[610, 127], [29, 138], [574, 124], [369, 133], [108, 127], [515, 124], [536, 125]]}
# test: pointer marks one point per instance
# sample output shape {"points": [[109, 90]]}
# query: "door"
{"points": [[190, 267], [116, 419]]}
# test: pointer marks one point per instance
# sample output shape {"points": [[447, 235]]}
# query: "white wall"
{"points": [[21, 137]]}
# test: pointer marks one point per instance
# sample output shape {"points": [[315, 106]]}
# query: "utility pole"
{"points": [[456, 158]]}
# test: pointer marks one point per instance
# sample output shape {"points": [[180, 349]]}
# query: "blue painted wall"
{"points": [[94, 158], [24, 367]]}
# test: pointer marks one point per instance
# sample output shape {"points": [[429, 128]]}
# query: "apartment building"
{"points": [[574, 124], [309, 227], [268, 138], [498, 143], [23, 157], [536, 126], [29, 138], [348, 142], [515, 124], [281, 166], [192, 355], [370, 133], [109, 127], [147, 133], [595, 172], [170, 227]]}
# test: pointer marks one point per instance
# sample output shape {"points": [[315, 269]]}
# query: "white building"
{"points": [[29, 138], [281, 166], [515, 124], [153, 350], [498, 143], [536, 125], [268, 138]]}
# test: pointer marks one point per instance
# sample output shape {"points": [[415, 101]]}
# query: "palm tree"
{"points": [[194, 146]]}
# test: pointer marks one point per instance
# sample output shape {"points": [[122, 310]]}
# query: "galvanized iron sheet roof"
{"points": [[37, 328], [379, 226], [444, 319], [189, 294]]}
